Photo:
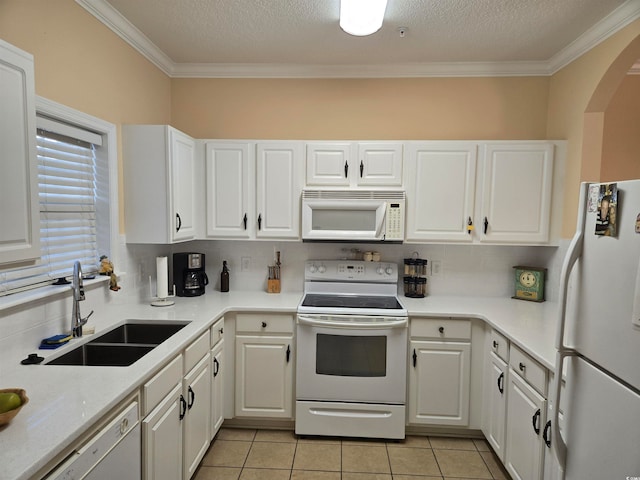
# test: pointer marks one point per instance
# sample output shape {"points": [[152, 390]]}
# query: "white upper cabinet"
{"points": [[516, 192], [19, 217], [354, 164], [160, 183], [440, 179], [253, 190], [229, 196], [279, 174]]}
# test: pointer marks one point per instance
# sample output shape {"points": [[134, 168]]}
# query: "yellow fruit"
{"points": [[9, 401]]}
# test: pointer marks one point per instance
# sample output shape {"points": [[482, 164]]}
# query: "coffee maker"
{"points": [[189, 276]]}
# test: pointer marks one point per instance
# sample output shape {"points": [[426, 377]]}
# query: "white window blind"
{"points": [[67, 197]]}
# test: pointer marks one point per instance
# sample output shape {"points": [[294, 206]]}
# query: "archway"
{"points": [[594, 138]]}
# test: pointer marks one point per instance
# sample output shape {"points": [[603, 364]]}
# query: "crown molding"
{"points": [[402, 70], [109, 16], [122, 27], [612, 23]]}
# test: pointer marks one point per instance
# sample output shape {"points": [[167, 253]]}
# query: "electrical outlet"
{"points": [[436, 268], [245, 264]]}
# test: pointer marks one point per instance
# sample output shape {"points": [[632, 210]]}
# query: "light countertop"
{"points": [[64, 401]]}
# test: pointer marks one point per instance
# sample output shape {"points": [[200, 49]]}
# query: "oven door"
{"points": [[351, 358]]}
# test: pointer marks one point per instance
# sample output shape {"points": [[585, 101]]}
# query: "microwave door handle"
{"points": [[382, 224]]}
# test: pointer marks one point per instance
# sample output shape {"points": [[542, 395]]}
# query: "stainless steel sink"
{"points": [[103, 355], [121, 346], [141, 333]]}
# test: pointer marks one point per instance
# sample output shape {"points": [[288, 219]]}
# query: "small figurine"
{"points": [[106, 268]]}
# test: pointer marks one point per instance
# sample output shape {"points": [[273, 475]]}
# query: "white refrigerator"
{"points": [[598, 339]]}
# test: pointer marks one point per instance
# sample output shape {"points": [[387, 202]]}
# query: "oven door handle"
{"points": [[389, 323]]}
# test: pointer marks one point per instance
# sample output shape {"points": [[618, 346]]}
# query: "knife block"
{"points": [[273, 285]]}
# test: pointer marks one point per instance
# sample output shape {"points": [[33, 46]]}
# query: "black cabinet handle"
{"points": [[264, 324], [183, 407], [546, 434], [536, 422], [361, 168], [495, 344], [486, 225], [415, 357], [222, 331], [216, 367], [178, 222], [501, 383], [522, 366], [469, 225], [259, 221], [244, 220], [441, 329], [346, 169], [288, 353], [192, 397]]}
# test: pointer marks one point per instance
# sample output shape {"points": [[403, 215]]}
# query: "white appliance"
{"points": [[352, 335], [353, 215], [598, 342], [113, 452]]}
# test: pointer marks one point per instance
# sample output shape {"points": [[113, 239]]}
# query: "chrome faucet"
{"points": [[78, 295]]}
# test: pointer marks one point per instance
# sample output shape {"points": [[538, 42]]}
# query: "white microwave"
{"points": [[353, 215]]}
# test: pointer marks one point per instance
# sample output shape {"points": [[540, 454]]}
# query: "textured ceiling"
{"points": [[306, 32]]}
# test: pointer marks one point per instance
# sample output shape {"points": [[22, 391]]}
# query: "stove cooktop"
{"points": [[351, 301]]}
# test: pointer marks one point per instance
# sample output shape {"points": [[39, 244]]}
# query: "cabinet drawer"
{"points": [[441, 328], [499, 345], [194, 352], [525, 366], [264, 323], [217, 332], [161, 384]]}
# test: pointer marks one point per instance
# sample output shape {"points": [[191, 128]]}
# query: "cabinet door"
{"points": [[440, 179], [197, 421], [217, 387], [379, 164], [495, 409], [229, 195], [20, 232], [439, 382], [162, 439], [182, 157], [329, 164], [516, 192], [526, 416], [264, 376], [279, 185]]}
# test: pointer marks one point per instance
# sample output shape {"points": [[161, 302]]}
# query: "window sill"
{"points": [[28, 296]]}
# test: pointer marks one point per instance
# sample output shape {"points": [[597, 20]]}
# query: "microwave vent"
{"points": [[353, 194]]}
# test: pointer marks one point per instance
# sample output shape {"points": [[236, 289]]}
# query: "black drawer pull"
{"points": [[495, 344], [501, 383], [216, 367], [536, 422], [441, 329], [415, 357], [546, 434], [183, 407], [522, 366], [192, 397], [264, 324]]}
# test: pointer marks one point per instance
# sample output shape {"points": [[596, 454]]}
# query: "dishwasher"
{"points": [[114, 451]]}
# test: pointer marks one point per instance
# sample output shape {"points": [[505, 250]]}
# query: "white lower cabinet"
{"points": [[264, 366], [526, 416], [217, 377], [439, 373], [495, 403], [177, 412]]}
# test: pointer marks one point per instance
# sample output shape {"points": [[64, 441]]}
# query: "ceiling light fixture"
{"points": [[362, 17]]}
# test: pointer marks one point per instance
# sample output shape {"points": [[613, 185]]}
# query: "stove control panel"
{"points": [[350, 270]]}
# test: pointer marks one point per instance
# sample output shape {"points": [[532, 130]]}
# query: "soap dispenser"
{"points": [[224, 277]]}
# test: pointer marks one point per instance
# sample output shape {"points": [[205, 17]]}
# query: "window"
{"points": [[75, 211]]}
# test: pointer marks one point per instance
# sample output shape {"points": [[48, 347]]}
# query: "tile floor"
{"points": [[239, 454]]}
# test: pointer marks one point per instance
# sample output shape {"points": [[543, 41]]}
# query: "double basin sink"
{"points": [[121, 346]]}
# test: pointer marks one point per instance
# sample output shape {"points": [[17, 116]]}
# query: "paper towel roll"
{"points": [[162, 277]]}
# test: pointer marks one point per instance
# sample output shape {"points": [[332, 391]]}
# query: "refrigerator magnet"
{"points": [[638, 223], [607, 210]]}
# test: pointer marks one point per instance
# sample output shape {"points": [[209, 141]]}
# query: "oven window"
{"points": [[351, 356]]}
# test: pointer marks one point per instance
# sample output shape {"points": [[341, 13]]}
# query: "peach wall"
{"points": [[417, 108], [571, 94], [621, 138], [82, 64]]}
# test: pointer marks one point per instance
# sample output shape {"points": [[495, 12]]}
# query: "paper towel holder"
{"points": [[161, 301]]}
